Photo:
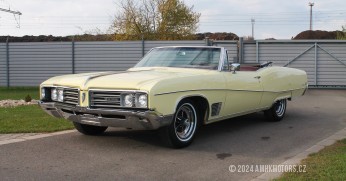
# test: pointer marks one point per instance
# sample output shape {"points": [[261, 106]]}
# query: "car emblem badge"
{"points": [[83, 97]]}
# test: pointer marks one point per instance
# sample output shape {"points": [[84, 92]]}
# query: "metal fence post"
{"points": [[240, 49], [143, 46], [257, 51], [7, 63], [73, 57], [315, 63], [208, 42]]}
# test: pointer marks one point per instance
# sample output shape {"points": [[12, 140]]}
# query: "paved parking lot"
{"points": [[139, 155]]}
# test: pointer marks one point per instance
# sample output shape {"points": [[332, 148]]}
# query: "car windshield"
{"points": [[188, 57]]}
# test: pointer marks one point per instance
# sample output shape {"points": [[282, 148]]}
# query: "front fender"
{"points": [[166, 104]]}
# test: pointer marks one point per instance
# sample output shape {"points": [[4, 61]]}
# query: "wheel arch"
{"points": [[201, 102], [287, 97]]}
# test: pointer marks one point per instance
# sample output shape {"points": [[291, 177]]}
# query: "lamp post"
{"points": [[253, 24], [311, 4]]}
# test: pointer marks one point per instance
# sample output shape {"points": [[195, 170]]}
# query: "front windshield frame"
{"points": [[217, 67]]}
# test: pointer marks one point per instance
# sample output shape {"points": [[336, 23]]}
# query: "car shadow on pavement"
{"points": [[207, 134]]}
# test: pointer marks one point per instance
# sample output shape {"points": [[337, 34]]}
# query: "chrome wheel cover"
{"points": [[280, 107], [185, 121]]}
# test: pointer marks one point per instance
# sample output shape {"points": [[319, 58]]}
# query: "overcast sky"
{"points": [[280, 19]]}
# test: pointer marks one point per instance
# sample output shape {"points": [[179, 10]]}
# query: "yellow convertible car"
{"points": [[172, 89]]}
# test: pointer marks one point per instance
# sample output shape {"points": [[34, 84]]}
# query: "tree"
{"points": [[341, 35], [154, 20]]}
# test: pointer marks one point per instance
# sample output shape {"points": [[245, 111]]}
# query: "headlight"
{"points": [[54, 94], [141, 101], [137, 100], [128, 100], [60, 95], [43, 93]]}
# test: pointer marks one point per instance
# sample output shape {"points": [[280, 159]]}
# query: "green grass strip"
{"points": [[328, 164], [17, 93], [30, 119]]}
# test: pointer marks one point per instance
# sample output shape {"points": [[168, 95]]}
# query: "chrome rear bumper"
{"points": [[135, 119]]}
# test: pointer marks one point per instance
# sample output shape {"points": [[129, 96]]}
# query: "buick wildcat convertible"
{"points": [[174, 90]]}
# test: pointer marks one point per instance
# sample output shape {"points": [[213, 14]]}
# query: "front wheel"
{"points": [[277, 111], [183, 127], [89, 129]]}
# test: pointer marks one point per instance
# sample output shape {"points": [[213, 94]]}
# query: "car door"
{"points": [[244, 92]]}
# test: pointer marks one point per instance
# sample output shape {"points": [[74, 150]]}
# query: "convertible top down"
{"points": [[172, 89]]}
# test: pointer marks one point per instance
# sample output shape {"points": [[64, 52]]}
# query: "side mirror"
{"points": [[235, 67]]}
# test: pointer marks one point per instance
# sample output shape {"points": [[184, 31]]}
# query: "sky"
{"points": [[279, 19]]}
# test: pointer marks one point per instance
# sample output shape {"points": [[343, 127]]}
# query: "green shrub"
{"points": [[28, 98]]}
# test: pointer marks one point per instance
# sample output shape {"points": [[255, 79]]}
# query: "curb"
{"points": [[299, 157], [26, 138]]}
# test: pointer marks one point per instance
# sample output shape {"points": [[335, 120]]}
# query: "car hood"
{"points": [[133, 79]]}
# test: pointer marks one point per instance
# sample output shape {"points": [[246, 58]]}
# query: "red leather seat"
{"points": [[248, 68]]}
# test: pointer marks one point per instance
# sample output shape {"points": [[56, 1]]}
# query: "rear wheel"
{"points": [[277, 111], [89, 129], [184, 126]]}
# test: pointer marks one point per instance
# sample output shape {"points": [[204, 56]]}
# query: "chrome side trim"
{"points": [[192, 90]]}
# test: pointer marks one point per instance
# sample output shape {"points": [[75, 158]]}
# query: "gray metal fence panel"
{"points": [[330, 71], [116, 56], [32, 63], [249, 55], [106, 56], [232, 49], [3, 78]]}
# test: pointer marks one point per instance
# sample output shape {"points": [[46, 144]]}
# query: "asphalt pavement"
{"points": [[122, 154]]}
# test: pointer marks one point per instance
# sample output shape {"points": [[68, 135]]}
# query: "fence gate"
{"points": [[324, 61]]}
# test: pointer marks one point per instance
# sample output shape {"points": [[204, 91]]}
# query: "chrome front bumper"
{"points": [[135, 119]]}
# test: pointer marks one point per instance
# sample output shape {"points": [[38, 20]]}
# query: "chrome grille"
{"points": [[71, 96], [104, 99]]}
